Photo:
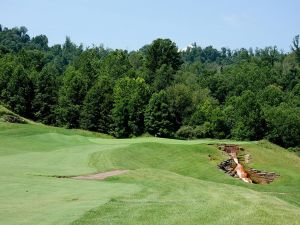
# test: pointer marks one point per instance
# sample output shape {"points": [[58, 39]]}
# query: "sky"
{"points": [[130, 24]]}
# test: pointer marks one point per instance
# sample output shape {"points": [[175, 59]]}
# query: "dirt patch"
{"points": [[261, 177], [230, 148], [100, 176], [234, 166]]}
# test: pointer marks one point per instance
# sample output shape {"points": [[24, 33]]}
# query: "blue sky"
{"points": [[130, 24]]}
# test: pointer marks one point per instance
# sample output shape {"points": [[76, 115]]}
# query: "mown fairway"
{"points": [[169, 182]]}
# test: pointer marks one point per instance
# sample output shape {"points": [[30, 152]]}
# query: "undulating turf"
{"points": [[169, 181]]}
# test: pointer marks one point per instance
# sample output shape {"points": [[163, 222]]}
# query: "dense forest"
{"points": [[199, 92]]}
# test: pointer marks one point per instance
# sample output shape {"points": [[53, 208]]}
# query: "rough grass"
{"points": [[5, 113], [169, 182]]}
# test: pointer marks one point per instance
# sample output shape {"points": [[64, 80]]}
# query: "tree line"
{"points": [[242, 94]]}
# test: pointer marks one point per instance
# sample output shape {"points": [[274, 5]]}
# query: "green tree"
{"points": [[296, 48], [272, 95], [160, 52], [159, 117], [70, 51], [162, 60], [46, 95], [210, 120], [116, 65], [180, 99], [296, 89], [209, 54], [97, 105], [7, 66], [130, 98], [19, 92], [89, 64], [71, 97], [14, 39], [40, 42], [283, 124], [163, 77], [243, 116]]}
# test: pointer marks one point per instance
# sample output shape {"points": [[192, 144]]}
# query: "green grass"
{"points": [[169, 182]]}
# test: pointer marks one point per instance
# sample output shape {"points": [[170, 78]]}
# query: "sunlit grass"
{"points": [[169, 182]]}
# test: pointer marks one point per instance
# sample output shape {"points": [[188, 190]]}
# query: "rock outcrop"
{"points": [[235, 168]]}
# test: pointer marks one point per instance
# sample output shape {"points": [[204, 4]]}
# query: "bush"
{"points": [[188, 132], [203, 131], [185, 132]]}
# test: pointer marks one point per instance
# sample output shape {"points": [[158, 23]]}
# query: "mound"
{"points": [[10, 117]]}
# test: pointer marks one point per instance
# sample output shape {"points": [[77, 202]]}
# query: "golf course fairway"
{"points": [[167, 182]]}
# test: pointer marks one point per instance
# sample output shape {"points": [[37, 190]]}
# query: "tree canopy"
{"points": [[198, 92]]}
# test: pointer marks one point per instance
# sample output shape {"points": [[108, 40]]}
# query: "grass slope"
{"points": [[169, 182], [4, 112]]}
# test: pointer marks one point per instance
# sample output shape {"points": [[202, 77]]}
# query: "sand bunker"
{"points": [[100, 176]]}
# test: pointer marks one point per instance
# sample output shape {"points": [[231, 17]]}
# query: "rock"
{"points": [[229, 165]]}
